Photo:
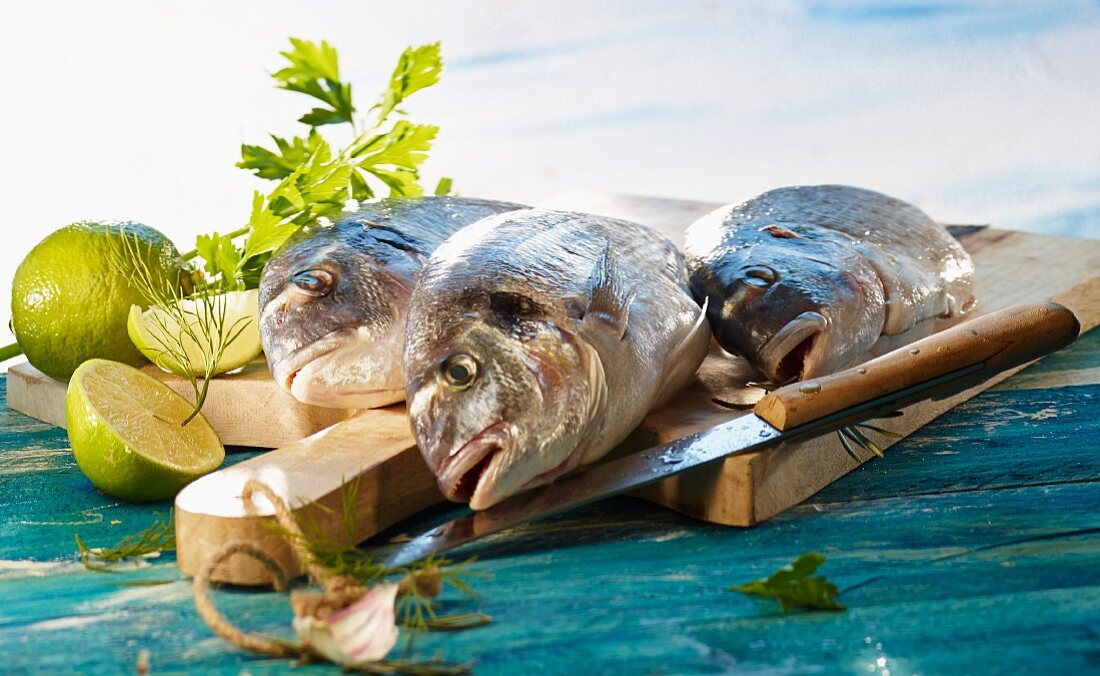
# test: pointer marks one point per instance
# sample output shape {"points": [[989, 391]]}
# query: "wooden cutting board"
{"points": [[375, 450]]}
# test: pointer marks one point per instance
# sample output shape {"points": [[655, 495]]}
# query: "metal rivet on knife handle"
{"points": [[999, 341]]}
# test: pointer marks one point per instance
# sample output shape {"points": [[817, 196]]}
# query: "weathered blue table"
{"points": [[973, 547]]}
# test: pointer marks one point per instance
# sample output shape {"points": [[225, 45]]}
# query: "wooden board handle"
{"points": [[370, 457], [997, 341]]}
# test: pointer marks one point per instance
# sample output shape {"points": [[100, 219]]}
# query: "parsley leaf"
{"points": [[416, 69], [314, 70], [793, 587], [394, 157], [267, 229], [314, 189], [220, 256], [288, 155]]}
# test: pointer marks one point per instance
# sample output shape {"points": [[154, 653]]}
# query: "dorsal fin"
{"points": [[608, 298]]}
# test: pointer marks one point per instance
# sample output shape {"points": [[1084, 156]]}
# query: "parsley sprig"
{"points": [[315, 180]]}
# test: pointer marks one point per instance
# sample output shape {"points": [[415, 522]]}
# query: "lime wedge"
{"points": [[159, 336], [125, 430]]}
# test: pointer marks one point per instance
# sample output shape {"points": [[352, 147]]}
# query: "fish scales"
{"points": [[805, 280], [537, 341], [333, 299]]}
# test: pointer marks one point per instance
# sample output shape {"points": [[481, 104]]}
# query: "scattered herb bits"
{"points": [[795, 586]]}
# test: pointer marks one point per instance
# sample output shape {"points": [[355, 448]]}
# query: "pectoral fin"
{"points": [[608, 299], [684, 359]]}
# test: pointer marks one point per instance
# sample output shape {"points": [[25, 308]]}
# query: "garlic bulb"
{"points": [[363, 632]]}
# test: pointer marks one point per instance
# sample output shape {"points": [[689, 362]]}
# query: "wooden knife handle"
{"points": [[998, 341]]}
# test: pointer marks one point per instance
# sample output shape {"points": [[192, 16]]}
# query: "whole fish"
{"points": [[333, 298], [802, 281], [537, 340]]}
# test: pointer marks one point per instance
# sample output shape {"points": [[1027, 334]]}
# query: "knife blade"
{"points": [[935, 367]]}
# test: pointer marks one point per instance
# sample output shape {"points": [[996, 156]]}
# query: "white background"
{"points": [[980, 112]]}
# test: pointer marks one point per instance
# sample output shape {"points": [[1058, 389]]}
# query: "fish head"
{"points": [[332, 323], [796, 311], [501, 396]]}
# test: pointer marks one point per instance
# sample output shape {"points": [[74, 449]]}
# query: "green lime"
{"points": [[126, 431], [231, 318], [70, 301]]}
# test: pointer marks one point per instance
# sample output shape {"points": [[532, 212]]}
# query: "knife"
{"points": [[935, 367]]}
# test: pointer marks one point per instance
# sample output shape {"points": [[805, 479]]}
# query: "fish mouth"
{"points": [[288, 369], [462, 473], [795, 350], [296, 375]]}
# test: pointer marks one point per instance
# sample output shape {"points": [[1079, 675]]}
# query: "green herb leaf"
{"points": [[406, 146], [324, 187], [314, 70], [360, 189], [267, 229], [444, 186], [287, 156], [793, 587], [416, 69], [220, 256], [309, 61], [394, 157]]}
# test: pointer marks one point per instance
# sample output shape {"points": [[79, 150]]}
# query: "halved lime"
{"points": [[158, 333], [125, 428]]}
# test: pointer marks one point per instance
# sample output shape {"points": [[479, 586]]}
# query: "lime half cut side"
{"points": [[125, 428], [231, 318]]}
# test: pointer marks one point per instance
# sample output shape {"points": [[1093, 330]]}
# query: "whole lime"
{"points": [[72, 293]]}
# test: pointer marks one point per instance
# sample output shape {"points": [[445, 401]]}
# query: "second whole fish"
{"points": [[537, 340], [805, 280], [333, 298]]}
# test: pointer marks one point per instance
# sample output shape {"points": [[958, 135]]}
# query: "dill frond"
{"points": [[847, 446], [854, 435], [458, 621], [879, 430], [421, 581], [417, 607], [433, 667], [160, 536], [203, 327]]}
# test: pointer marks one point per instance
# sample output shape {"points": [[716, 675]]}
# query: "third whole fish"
{"points": [[803, 281]]}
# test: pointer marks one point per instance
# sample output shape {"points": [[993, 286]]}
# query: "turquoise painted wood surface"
{"points": [[972, 548]]}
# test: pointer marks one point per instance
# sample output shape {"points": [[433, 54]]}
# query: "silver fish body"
{"points": [[537, 340], [333, 299], [803, 281]]}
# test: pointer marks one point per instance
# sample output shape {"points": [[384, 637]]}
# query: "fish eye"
{"points": [[760, 276], [314, 282], [459, 370]]}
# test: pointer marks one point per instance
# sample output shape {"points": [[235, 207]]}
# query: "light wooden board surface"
{"points": [[245, 409], [740, 491]]}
